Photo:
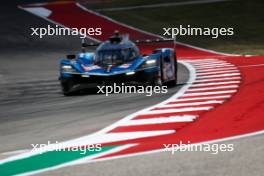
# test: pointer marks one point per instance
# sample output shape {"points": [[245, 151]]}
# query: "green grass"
{"points": [[245, 16], [47, 160]]}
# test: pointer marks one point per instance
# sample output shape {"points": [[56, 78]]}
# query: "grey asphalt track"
{"points": [[33, 110]]}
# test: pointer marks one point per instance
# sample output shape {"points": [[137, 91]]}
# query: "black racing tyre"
{"points": [[174, 82], [66, 86], [157, 79]]}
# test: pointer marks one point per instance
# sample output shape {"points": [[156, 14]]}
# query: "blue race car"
{"points": [[117, 60]]}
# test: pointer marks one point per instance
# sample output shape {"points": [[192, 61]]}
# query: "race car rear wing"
{"points": [[152, 41], [117, 38], [84, 44]]}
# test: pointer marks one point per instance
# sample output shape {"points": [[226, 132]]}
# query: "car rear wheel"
{"points": [[174, 81], [157, 79]]}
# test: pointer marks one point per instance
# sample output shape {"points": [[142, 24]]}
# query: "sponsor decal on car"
{"points": [[89, 68], [124, 66]]}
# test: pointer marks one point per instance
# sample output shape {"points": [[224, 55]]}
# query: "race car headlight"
{"points": [[151, 62], [130, 73], [67, 68], [148, 64]]}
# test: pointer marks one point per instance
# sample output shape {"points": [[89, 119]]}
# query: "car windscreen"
{"points": [[114, 57]]}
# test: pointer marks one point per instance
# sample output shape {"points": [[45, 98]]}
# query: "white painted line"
{"points": [[114, 137], [197, 61], [256, 65], [170, 119], [217, 72], [92, 157], [163, 111], [215, 83], [159, 5], [212, 88], [209, 63], [217, 79], [202, 70], [220, 75], [209, 93], [194, 103], [214, 66], [206, 61], [40, 11], [202, 98], [215, 69], [51, 21], [15, 152], [201, 60]]}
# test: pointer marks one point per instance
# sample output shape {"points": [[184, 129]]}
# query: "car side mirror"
{"points": [[71, 56]]}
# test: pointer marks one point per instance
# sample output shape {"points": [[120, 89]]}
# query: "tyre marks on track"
{"points": [[28, 91]]}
